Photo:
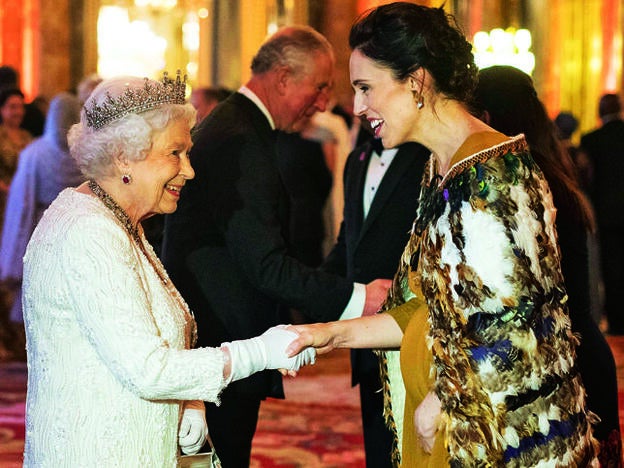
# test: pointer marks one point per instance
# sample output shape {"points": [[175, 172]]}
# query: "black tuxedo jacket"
{"points": [[225, 245], [605, 148], [371, 248]]}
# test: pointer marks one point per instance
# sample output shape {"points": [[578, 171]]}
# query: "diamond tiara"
{"points": [[153, 94]]}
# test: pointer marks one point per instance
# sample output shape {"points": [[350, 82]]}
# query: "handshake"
{"points": [[267, 351]]}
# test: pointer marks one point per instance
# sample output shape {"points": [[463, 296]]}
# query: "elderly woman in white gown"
{"points": [[112, 380]]}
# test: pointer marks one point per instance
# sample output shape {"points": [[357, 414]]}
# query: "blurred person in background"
{"points": [[45, 167], [13, 139], [604, 148], [204, 99], [508, 102], [34, 111]]}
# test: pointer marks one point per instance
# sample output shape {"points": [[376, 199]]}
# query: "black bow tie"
{"points": [[377, 146]]}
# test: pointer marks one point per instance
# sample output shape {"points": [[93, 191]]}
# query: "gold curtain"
{"points": [[580, 58], [577, 47]]}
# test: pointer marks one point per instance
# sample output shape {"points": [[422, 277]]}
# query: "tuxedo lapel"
{"points": [[357, 187], [400, 164]]}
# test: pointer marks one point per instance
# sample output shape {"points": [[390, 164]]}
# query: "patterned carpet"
{"points": [[12, 398], [318, 426]]}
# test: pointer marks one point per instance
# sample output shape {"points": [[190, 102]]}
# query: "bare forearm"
{"points": [[375, 331]]}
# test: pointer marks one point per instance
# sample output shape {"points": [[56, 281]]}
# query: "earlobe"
{"points": [[417, 83], [485, 117], [417, 80], [121, 161]]}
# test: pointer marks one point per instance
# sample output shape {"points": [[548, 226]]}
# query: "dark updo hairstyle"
{"points": [[510, 99], [404, 37]]}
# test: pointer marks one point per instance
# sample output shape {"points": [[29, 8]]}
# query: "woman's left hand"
{"points": [[427, 420], [193, 431]]}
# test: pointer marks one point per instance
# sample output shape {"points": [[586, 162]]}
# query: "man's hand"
{"points": [[376, 292]]}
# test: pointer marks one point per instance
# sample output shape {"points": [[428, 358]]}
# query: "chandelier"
{"points": [[504, 47], [156, 4]]}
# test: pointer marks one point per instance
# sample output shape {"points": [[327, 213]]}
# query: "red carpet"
{"points": [[318, 426], [12, 400]]}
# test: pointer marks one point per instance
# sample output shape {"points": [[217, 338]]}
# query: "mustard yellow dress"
{"points": [[416, 362]]}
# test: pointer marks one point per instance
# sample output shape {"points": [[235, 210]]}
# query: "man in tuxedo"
{"points": [[381, 190], [604, 148], [225, 246]]}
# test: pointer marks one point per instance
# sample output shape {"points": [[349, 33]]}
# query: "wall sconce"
{"points": [[504, 47]]}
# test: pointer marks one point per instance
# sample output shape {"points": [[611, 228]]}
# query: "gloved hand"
{"points": [[193, 430], [267, 351], [427, 420]]}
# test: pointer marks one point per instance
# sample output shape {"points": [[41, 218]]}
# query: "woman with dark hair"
{"points": [[12, 140], [507, 100], [478, 305]]}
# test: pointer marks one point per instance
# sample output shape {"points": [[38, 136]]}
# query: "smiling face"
{"points": [[158, 179], [306, 93], [387, 104], [12, 111]]}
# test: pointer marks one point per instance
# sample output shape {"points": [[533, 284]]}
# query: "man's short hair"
{"points": [[609, 104], [290, 46]]}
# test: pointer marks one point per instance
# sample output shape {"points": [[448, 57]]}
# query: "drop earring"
{"points": [[420, 102], [126, 179]]}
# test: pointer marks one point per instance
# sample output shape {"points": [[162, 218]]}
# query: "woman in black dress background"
{"points": [[507, 100]]}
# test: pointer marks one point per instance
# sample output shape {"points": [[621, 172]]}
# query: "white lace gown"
{"points": [[106, 339]]}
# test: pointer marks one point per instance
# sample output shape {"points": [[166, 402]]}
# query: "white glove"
{"points": [[193, 431], [427, 420], [267, 351]]}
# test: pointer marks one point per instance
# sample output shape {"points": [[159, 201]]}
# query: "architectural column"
{"points": [[337, 18], [253, 32], [54, 68], [18, 24]]}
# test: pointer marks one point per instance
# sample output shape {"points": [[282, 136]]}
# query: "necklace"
{"points": [[117, 210], [125, 221]]}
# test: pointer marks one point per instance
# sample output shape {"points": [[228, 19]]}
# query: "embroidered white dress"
{"points": [[106, 339]]}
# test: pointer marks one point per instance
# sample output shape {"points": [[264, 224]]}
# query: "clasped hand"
{"points": [[277, 340], [267, 351], [193, 430], [427, 420]]}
